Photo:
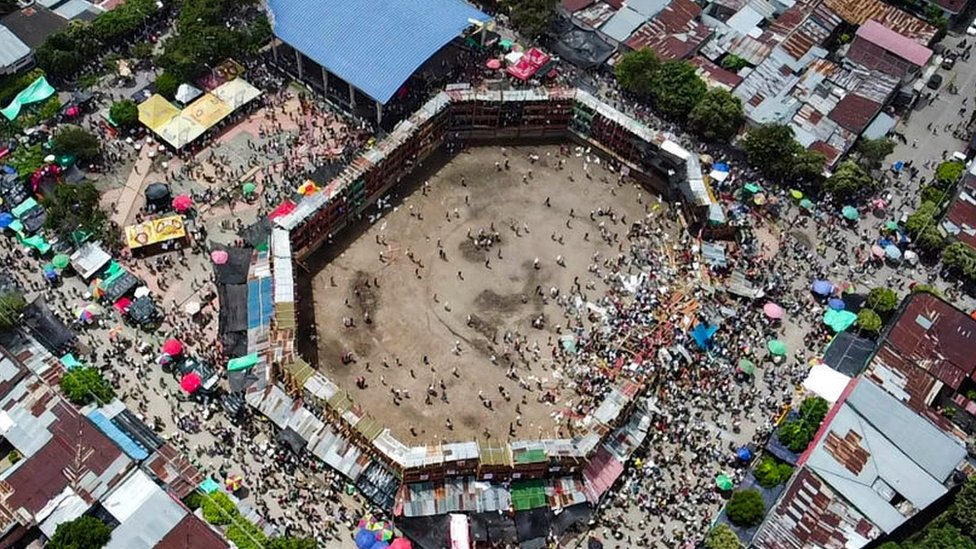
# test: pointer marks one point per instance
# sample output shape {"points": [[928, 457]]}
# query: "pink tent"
{"points": [[190, 382], [182, 203], [172, 347], [283, 209], [219, 257], [494, 64]]}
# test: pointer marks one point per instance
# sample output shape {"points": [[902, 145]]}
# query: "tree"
{"points": [[84, 532], [73, 207], [869, 321], [733, 62], [85, 385], [771, 149], [849, 180], [635, 70], [746, 508], [26, 160], [12, 304], [717, 116], [676, 89], [872, 152], [927, 289], [125, 113], [74, 141], [531, 17], [722, 537], [882, 300], [797, 433], [290, 543], [923, 217], [960, 258], [772, 472], [947, 173], [945, 536], [167, 84], [963, 510]]}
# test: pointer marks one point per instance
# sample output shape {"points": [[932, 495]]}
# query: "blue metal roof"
{"points": [[375, 45], [128, 445]]}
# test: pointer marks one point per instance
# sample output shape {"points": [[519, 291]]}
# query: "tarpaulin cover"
{"points": [[702, 334], [131, 448], [259, 302], [284, 208], [156, 112], [583, 48], [209, 486], [233, 307], [118, 286], [38, 90], [24, 207], [234, 271], [848, 353], [242, 363], [530, 63], [154, 231], [839, 320], [532, 524], [143, 310], [47, 328]]}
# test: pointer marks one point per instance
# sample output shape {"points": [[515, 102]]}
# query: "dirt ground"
{"points": [[436, 324]]}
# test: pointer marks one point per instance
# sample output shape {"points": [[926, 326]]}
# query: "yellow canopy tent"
{"points": [[156, 112]]}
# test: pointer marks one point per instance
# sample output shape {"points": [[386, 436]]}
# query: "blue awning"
{"points": [[375, 45]]}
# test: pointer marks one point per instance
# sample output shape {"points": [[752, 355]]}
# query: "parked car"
{"points": [[971, 31], [949, 60], [934, 82]]}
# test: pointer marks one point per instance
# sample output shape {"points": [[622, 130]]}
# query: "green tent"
{"points": [[70, 362], [39, 90], [839, 320], [777, 347], [18, 227], [724, 482], [24, 207], [752, 187], [38, 243], [850, 212], [209, 486], [747, 367], [891, 225], [61, 261], [242, 363]]}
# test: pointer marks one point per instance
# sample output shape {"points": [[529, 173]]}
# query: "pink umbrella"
{"points": [[182, 203], [494, 64], [190, 382], [877, 250], [172, 347], [219, 257], [773, 310], [401, 543]]}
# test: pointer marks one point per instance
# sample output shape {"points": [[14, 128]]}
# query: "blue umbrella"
{"points": [[892, 252], [365, 538], [721, 167], [822, 287], [744, 454], [836, 304], [5, 220], [898, 166]]}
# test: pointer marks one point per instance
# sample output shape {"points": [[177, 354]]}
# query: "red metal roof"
{"points": [[715, 73], [857, 12], [191, 532], [575, 5], [674, 33], [854, 112], [903, 47], [962, 212]]}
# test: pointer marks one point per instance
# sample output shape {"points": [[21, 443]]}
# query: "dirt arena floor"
{"points": [[437, 324]]}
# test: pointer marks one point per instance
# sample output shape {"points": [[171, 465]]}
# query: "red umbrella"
{"points": [[219, 257], [190, 382], [401, 543], [72, 111], [773, 310], [494, 64], [172, 347], [182, 203]]}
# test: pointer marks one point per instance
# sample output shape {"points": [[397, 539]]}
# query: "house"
{"points": [[878, 47], [675, 32], [15, 55], [960, 218], [873, 465]]}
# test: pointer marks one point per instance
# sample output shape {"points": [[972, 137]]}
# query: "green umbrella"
{"points": [[61, 261], [724, 482], [850, 212], [249, 188], [747, 367], [891, 225], [777, 347], [807, 204], [752, 187]]}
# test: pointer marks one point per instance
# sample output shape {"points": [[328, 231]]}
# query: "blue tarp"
{"points": [[131, 448], [375, 45], [259, 302], [702, 334]]}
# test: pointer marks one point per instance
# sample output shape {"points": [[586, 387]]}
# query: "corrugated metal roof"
{"points": [[674, 33], [903, 47], [595, 15], [854, 112], [12, 49], [856, 12], [375, 45], [155, 518], [648, 8], [623, 24]]}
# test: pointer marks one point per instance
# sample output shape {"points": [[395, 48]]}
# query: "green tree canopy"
{"points": [[733, 62], [923, 217], [636, 69], [74, 207], [676, 89], [722, 537], [947, 173], [717, 116], [84, 532], [869, 321], [961, 258], [167, 84], [531, 17], [85, 385], [286, 542], [808, 165], [849, 180], [125, 113], [12, 304], [771, 148], [963, 509], [926, 289], [945, 536], [883, 300], [772, 472], [797, 433], [26, 160], [872, 152], [75, 141], [746, 508]]}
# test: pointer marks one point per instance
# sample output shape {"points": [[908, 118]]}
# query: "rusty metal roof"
{"points": [[854, 112], [960, 220], [191, 532], [715, 75], [810, 514], [674, 33], [856, 12], [594, 16]]}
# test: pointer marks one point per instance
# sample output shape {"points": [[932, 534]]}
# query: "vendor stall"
{"points": [[166, 232]]}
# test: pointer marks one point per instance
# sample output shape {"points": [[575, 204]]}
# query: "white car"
{"points": [[971, 31]]}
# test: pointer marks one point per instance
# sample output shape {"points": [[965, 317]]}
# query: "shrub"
{"points": [[797, 433], [746, 508], [722, 537], [772, 472]]}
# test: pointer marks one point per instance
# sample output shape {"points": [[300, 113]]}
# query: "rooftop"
{"points": [[674, 33], [903, 47], [34, 24], [375, 45], [857, 12], [12, 49], [960, 220]]}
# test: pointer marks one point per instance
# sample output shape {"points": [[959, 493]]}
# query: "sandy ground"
{"points": [[431, 306]]}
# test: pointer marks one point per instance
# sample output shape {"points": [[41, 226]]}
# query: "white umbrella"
{"points": [[141, 291], [192, 307], [49, 158]]}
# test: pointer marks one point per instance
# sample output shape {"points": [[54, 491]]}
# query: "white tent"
{"points": [[186, 93]]}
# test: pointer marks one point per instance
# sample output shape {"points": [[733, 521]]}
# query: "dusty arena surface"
{"points": [[437, 298]]}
